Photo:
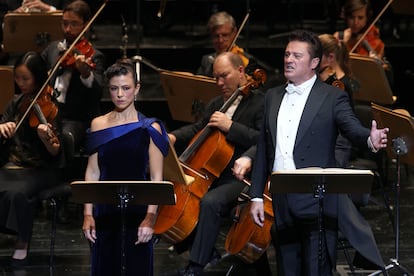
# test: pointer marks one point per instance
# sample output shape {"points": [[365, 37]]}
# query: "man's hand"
{"points": [[241, 167], [378, 136], [257, 212], [221, 121]]}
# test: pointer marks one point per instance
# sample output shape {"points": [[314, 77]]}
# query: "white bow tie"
{"points": [[291, 88]]}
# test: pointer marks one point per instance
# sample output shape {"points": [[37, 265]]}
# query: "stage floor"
{"points": [[72, 250]]}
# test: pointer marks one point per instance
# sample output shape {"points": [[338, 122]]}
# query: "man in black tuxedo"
{"points": [[300, 126]]}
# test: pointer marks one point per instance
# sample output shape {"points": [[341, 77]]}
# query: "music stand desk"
{"points": [[24, 32], [339, 181], [374, 85], [401, 126], [109, 192], [123, 193], [187, 94], [320, 181]]}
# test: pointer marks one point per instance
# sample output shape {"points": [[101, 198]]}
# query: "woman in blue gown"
{"points": [[123, 145]]}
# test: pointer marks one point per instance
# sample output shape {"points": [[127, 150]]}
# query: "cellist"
{"points": [[223, 30], [240, 126]]}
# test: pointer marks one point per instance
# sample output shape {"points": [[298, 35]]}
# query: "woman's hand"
{"points": [[89, 228], [7, 129], [146, 228]]}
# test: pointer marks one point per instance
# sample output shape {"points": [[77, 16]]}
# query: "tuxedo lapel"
{"points": [[312, 106]]}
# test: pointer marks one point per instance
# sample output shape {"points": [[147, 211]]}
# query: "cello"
{"points": [[204, 159], [245, 239]]}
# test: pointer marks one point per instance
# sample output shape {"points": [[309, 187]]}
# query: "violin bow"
{"points": [[370, 26], [239, 30], [59, 61]]}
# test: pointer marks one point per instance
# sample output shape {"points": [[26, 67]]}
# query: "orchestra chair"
{"points": [[55, 194], [7, 86]]}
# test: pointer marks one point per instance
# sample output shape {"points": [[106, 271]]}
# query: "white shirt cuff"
{"points": [[371, 146], [257, 199]]}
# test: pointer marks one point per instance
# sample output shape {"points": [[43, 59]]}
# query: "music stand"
{"points": [[187, 94], [320, 181], [173, 170], [7, 82], [403, 7], [24, 32], [401, 136], [124, 193], [374, 85]]}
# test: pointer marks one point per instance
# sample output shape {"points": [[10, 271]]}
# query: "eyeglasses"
{"points": [[223, 36], [72, 24]]}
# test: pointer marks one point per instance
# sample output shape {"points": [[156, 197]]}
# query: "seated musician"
{"points": [[222, 28], [30, 153], [78, 81], [240, 125], [358, 17]]}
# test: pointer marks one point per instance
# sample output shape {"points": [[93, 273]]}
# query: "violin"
{"points": [[84, 48], [328, 75], [371, 45], [44, 111], [239, 51]]}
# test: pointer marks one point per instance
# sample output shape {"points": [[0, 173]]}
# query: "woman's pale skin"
{"points": [[123, 91], [26, 83]]}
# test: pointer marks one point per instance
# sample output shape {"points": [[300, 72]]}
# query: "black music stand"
{"points": [[374, 85], [319, 181], [401, 136], [122, 193]]}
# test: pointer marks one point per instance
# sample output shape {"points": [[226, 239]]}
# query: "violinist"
{"points": [[358, 16], [79, 80], [240, 126], [30, 154], [223, 29]]}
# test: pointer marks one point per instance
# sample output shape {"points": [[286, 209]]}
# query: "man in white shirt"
{"points": [[301, 122]]}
